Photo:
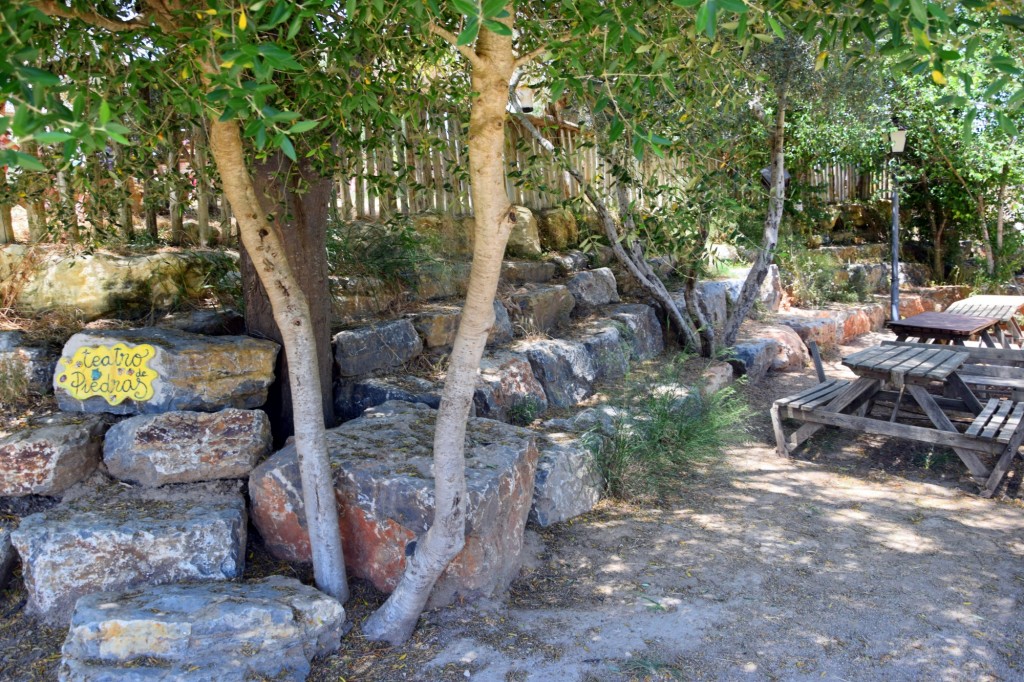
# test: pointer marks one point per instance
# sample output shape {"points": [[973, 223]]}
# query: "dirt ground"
{"points": [[858, 559]]}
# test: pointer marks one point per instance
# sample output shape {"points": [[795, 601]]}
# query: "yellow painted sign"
{"points": [[115, 373]]}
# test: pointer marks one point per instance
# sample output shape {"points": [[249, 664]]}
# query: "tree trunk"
{"points": [[125, 226], [298, 200], [202, 185], [6, 219], [173, 196], [227, 230], [35, 206], [990, 261], [776, 202], [1001, 215], [491, 73], [67, 207], [149, 201], [265, 245]]}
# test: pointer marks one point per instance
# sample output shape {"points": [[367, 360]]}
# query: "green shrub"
{"points": [[816, 279], [666, 432], [14, 382], [390, 251]]}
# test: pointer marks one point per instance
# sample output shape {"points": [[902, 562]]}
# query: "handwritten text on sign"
{"points": [[115, 373]]}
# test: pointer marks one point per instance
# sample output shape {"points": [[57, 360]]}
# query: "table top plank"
{"points": [[988, 305], [920, 363], [947, 323], [947, 367], [883, 361]]}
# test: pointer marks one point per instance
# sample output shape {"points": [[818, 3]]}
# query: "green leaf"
{"points": [[686, 3], [1006, 124], [469, 33], [104, 112], [616, 130], [286, 146], [919, 10], [52, 137], [776, 29], [497, 27], [302, 127], [1012, 20], [38, 76], [28, 162]]}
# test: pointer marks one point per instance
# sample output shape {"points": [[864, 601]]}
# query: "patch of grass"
{"points": [[523, 412], [650, 668], [667, 431], [816, 279], [14, 383], [389, 251]]}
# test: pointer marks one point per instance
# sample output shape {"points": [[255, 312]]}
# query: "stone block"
{"points": [[51, 455], [593, 288], [714, 300], [225, 322], [507, 390], [791, 354], [910, 305], [186, 447], [643, 330], [437, 326], [353, 398], [517, 272], [568, 482], [384, 485], [754, 358], [825, 331], [716, 376], [229, 632], [117, 538], [570, 263], [558, 229], [564, 368], [25, 368], [440, 280], [608, 347], [524, 241], [602, 419], [541, 308], [188, 371], [387, 345], [449, 235], [105, 284], [501, 332]]}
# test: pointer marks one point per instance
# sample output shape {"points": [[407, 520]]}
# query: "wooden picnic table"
{"points": [[1005, 308], [948, 327], [886, 374]]}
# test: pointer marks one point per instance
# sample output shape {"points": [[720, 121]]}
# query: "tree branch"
{"points": [[450, 37], [52, 8], [530, 56]]}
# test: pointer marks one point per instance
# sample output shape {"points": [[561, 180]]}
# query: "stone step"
{"points": [[384, 485], [51, 455], [24, 366], [112, 538], [186, 447], [230, 632], [568, 482], [152, 370], [539, 309]]}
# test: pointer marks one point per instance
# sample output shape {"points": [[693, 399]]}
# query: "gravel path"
{"points": [[852, 561]]}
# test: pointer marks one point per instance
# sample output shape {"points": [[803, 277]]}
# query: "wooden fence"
{"points": [[423, 167]]}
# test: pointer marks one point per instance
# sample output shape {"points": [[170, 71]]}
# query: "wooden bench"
{"points": [[990, 372]]}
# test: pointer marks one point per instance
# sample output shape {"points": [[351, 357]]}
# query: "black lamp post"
{"points": [[897, 141]]}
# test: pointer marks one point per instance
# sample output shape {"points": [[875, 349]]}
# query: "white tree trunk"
{"points": [[492, 71], [291, 312]]}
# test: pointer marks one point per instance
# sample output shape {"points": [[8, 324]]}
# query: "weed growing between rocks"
{"points": [[668, 430]]}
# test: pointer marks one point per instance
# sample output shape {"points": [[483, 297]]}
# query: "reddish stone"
{"points": [[50, 456], [910, 304], [384, 487], [791, 354]]}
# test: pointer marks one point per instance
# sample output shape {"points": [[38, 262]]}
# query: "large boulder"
{"points": [[564, 368], [230, 632], [449, 235], [501, 332], [790, 352], [541, 308], [525, 237], [105, 284], [381, 346], [558, 229], [185, 447], [570, 263], [24, 368], [50, 456], [713, 298], [359, 298], [606, 342], [642, 329], [715, 377], [437, 325], [507, 390], [754, 358], [225, 322], [440, 280], [825, 331], [146, 371], [115, 538], [568, 481], [518, 272], [384, 483], [593, 288]]}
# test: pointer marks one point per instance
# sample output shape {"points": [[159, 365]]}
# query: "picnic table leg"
{"points": [[1003, 465], [942, 423], [987, 339], [780, 436]]}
